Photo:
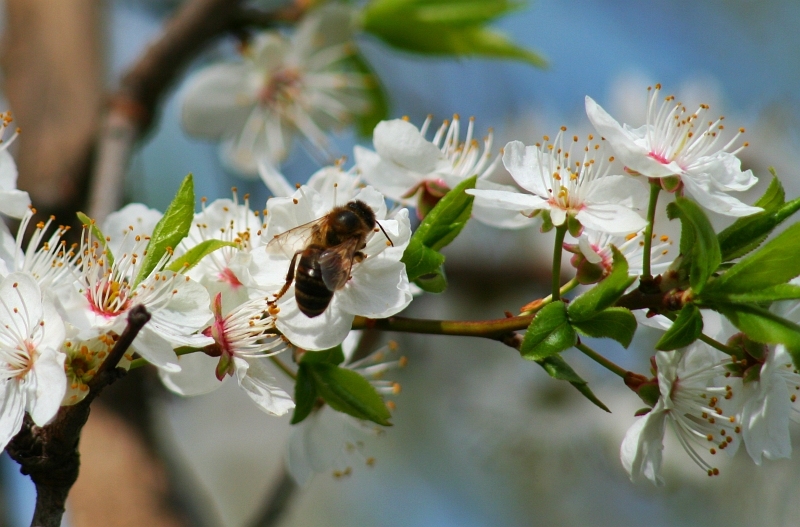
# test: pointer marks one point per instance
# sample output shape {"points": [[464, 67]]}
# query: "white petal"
{"points": [[321, 332], [315, 444], [49, 384], [12, 410], [400, 142], [155, 350], [117, 226], [216, 101], [610, 218], [717, 201], [262, 387], [392, 180], [274, 180], [641, 449], [630, 147], [522, 162], [20, 302], [14, 203], [8, 171], [726, 172], [497, 217], [195, 377], [377, 291], [515, 201]]}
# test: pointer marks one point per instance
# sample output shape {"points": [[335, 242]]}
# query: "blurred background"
{"points": [[480, 437]]}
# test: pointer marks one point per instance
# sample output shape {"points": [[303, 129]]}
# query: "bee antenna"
{"points": [[384, 233]]}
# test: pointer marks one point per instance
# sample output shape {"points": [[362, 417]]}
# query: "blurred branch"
{"points": [[49, 454], [276, 502], [133, 107]]}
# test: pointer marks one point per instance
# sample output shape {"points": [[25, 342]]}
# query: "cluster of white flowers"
{"points": [[298, 273]]}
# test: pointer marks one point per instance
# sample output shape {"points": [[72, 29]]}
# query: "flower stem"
{"points": [[561, 232], [283, 367], [602, 361], [655, 188], [718, 345], [536, 305]]}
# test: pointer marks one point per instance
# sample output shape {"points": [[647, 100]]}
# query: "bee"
{"points": [[331, 245]]}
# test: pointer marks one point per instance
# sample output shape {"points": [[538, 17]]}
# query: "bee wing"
{"points": [[295, 239], [337, 262]]}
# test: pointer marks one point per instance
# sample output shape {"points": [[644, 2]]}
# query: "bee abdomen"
{"points": [[309, 289]]}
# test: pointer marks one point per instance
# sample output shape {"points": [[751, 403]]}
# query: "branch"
{"points": [[498, 329], [133, 107], [49, 454]]}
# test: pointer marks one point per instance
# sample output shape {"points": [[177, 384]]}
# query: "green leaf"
{"points": [[333, 355], [684, 330], [197, 253], [605, 293], [699, 244], [766, 295], [434, 282], [170, 230], [446, 220], [616, 323], [775, 263], [446, 27], [97, 235], [378, 99], [440, 227], [305, 394], [549, 333], [747, 233], [348, 392], [762, 325], [557, 368]]}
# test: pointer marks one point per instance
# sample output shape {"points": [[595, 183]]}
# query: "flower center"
{"points": [[227, 276], [281, 88], [109, 298]]}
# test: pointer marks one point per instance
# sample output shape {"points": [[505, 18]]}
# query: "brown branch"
{"points": [[49, 454]]}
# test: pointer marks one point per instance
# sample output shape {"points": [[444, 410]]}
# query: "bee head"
{"points": [[354, 216]]}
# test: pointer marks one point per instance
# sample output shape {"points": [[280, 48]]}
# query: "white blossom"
{"points": [[244, 339], [695, 403], [674, 142], [411, 170], [569, 180], [32, 375], [13, 202], [283, 86]]}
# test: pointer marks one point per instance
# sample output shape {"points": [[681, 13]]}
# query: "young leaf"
{"points": [[615, 323], [685, 330], [557, 368], [305, 394], [348, 392], [171, 229], [446, 220], [549, 333], [699, 244], [747, 233], [421, 260], [775, 263], [444, 27], [333, 355], [191, 257], [605, 293], [762, 325], [434, 282], [766, 295], [97, 235]]}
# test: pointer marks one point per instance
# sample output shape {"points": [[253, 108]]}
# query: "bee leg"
{"points": [[289, 279], [359, 257]]}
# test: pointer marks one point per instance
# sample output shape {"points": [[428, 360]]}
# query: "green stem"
{"points": [[566, 288], [602, 361], [558, 248], [655, 188], [283, 367], [718, 345]]}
